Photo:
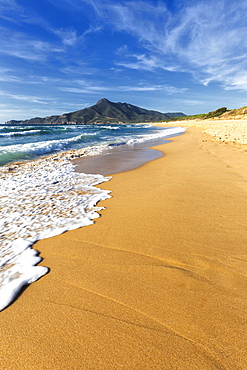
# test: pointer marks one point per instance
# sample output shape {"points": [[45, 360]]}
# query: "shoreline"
{"points": [[57, 199], [157, 281], [121, 158]]}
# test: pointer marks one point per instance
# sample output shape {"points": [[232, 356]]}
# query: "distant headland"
{"points": [[104, 111]]}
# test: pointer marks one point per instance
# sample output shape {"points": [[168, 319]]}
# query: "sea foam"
{"points": [[18, 133], [40, 199], [167, 132]]}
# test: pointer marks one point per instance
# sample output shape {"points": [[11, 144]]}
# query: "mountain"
{"points": [[103, 111]]}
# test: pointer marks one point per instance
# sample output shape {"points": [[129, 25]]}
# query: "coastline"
{"points": [[47, 196], [157, 282], [120, 158]]}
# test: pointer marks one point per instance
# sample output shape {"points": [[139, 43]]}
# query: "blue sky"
{"points": [[59, 56]]}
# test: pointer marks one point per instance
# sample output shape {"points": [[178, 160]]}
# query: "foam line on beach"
{"points": [[38, 200], [168, 132]]}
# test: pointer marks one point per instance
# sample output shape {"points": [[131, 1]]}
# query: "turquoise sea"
{"points": [[19, 143]]}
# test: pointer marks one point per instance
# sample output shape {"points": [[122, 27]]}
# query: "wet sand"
{"points": [[158, 282], [120, 158]]}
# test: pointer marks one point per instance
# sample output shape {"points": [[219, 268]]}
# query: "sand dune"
{"points": [[227, 131]]}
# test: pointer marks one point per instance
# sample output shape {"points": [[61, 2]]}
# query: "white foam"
{"points": [[110, 127], [38, 200], [17, 133], [160, 134], [40, 147]]}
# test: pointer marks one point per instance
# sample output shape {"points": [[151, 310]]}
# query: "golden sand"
{"points": [[232, 131], [158, 282]]}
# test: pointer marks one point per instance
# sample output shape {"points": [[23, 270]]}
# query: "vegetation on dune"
{"points": [[184, 118], [236, 112], [216, 113], [220, 112]]}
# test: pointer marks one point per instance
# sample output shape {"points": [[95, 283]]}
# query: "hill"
{"points": [[218, 114], [104, 111], [240, 113]]}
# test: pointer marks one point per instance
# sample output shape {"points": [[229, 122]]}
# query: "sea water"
{"points": [[41, 193]]}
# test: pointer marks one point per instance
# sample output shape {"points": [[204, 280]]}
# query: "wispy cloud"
{"points": [[68, 37], [21, 77], [86, 90], [190, 102], [81, 86], [6, 9], [34, 48], [86, 86], [8, 4], [25, 47], [27, 98], [165, 88], [4, 70], [145, 62], [207, 38], [5, 78], [78, 68]]}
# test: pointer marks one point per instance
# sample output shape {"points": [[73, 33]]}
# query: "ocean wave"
{"points": [[19, 133], [109, 127], [141, 125], [41, 147]]}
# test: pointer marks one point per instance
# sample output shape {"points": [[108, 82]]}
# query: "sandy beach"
{"points": [[158, 282], [233, 131]]}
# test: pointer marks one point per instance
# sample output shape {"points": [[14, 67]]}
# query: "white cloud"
{"points": [[165, 88], [144, 62], [84, 90], [27, 98], [4, 70], [68, 37], [90, 87], [205, 38], [15, 13], [7, 6], [20, 45], [11, 79], [79, 68], [190, 102]]}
